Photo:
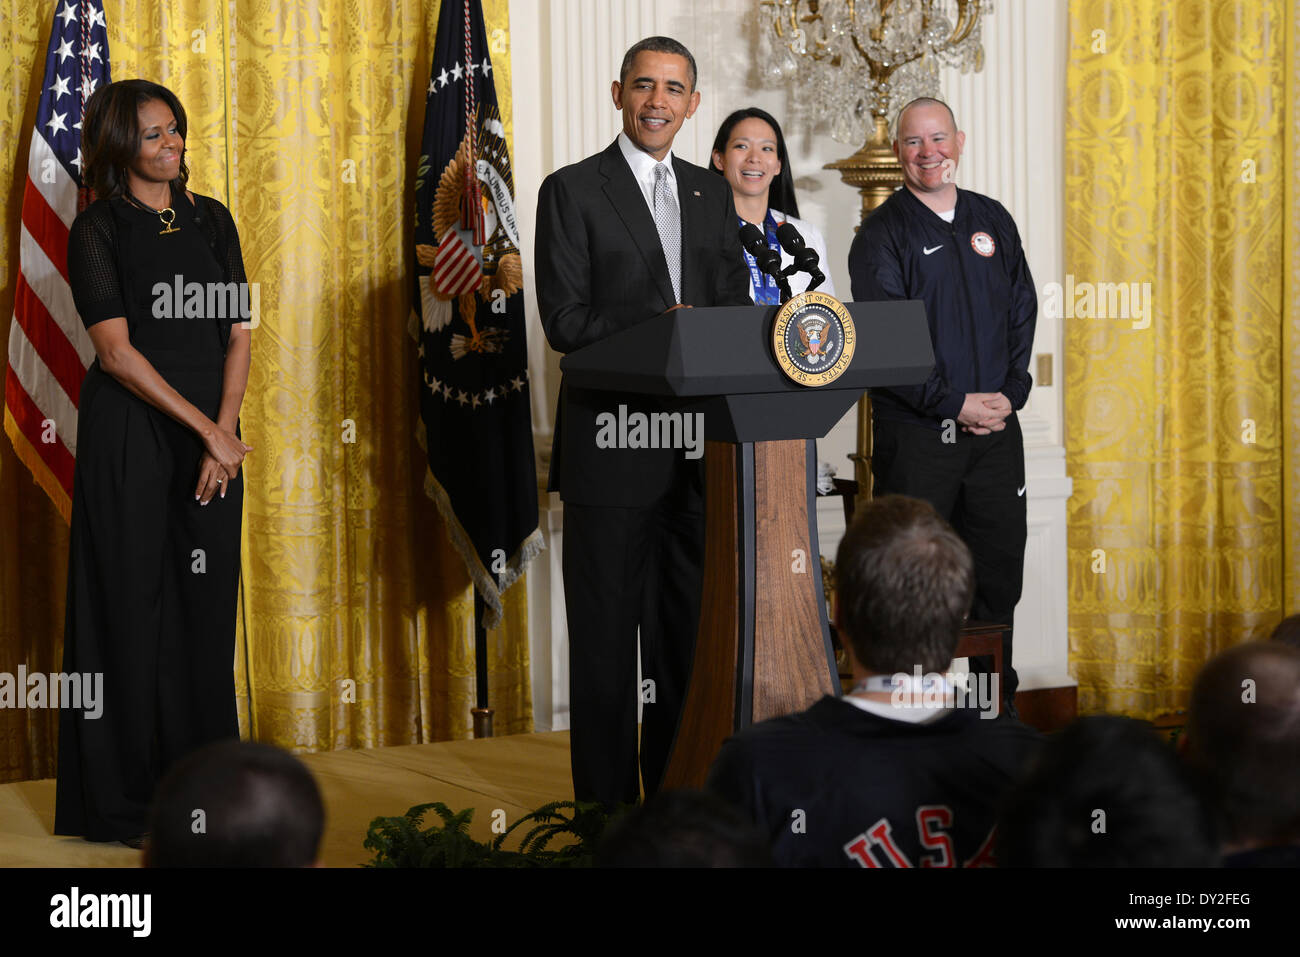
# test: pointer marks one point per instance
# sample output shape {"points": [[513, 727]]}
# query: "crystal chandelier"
{"points": [[855, 60]]}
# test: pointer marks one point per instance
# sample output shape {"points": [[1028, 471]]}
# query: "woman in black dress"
{"points": [[153, 566]]}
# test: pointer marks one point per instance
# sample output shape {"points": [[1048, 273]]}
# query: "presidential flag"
{"points": [[49, 349], [468, 316]]}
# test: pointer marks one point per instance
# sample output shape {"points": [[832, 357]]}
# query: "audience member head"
{"points": [[1287, 631], [683, 829], [236, 804], [904, 582], [1243, 742], [1105, 792]]}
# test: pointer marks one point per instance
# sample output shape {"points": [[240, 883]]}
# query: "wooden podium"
{"points": [[763, 647]]}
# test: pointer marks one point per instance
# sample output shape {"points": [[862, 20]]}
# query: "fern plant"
{"points": [[405, 841]]}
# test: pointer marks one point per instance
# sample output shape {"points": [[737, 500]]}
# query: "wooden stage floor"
{"points": [[518, 773]]}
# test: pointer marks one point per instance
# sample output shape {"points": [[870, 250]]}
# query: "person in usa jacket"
{"points": [[955, 440]]}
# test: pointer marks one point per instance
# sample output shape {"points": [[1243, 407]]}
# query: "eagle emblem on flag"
{"points": [[477, 256]]}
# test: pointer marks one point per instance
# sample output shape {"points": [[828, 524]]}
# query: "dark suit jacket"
{"points": [[600, 270]]}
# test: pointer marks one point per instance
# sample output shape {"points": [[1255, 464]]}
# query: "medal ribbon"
{"points": [[764, 286]]}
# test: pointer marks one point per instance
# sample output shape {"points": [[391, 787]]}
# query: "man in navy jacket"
{"points": [[955, 440], [907, 769]]}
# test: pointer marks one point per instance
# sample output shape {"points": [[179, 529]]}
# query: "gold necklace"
{"points": [[166, 214]]}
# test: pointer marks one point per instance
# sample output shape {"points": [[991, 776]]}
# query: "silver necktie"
{"points": [[668, 221]]}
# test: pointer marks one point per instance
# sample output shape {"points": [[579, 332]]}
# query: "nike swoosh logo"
{"points": [[933, 249], [1020, 491]]}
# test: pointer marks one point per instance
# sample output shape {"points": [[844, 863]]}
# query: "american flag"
{"points": [[49, 349]]}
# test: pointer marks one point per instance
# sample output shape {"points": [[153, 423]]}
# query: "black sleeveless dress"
{"points": [[152, 574]]}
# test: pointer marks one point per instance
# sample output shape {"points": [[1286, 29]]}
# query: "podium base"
{"points": [[763, 648]]}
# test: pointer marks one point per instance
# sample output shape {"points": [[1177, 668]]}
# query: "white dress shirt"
{"points": [[643, 170]]}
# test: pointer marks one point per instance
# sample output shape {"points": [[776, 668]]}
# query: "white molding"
{"points": [[548, 631], [1041, 648], [1013, 117]]}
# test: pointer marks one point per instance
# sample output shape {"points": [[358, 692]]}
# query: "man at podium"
{"points": [[623, 236]]}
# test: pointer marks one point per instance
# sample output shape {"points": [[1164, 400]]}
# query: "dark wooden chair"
{"points": [[848, 490], [978, 638], [982, 638]]}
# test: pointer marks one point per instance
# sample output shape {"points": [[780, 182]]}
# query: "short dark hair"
{"points": [[904, 583], [1287, 631], [111, 134], [1122, 768], [656, 45], [780, 194], [683, 829], [1243, 741], [261, 808], [922, 101]]}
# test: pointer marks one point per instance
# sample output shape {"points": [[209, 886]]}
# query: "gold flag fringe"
{"points": [[41, 473]]}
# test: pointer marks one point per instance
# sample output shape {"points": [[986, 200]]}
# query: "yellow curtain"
{"points": [[356, 619], [1289, 170], [1182, 425]]}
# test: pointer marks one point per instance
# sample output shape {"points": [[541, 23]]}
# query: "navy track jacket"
{"points": [[836, 786], [980, 300]]}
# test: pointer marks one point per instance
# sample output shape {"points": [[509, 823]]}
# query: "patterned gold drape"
{"points": [[304, 118], [1181, 434], [1289, 168]]}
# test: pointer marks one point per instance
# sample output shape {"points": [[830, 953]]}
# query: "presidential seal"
{"points": [[813, 338]]}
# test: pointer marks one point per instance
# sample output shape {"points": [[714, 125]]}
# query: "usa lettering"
{"points": [[877, 847]]}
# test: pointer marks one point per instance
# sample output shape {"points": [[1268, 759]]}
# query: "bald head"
{"points": [[928, 102], [1243, 739]]}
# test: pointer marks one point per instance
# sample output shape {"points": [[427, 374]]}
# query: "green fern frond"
{"points": [[404, 841]]}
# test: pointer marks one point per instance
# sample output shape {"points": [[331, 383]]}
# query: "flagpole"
{"points": [[468, 307], [482, 714]]}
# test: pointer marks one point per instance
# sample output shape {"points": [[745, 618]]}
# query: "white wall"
{"points": [[565, 53]]}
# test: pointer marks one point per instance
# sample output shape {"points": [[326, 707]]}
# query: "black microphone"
{"points": [[805, 257], [766, 258]]}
